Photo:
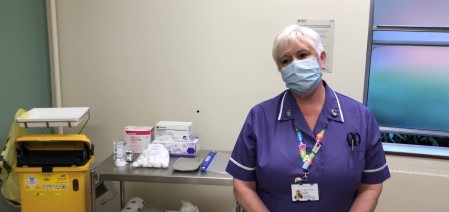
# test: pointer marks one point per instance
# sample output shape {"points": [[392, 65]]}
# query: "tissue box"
{"points": [[138, 137], [173, 131], [187, 148]]}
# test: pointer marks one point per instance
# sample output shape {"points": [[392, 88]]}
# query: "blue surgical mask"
{"points": [[302, 76]]}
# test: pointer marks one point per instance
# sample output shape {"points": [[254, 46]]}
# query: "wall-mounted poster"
{"points": [[326, 30]]}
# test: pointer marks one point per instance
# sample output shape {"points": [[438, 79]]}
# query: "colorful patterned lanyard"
{"points": [[307, 158]]}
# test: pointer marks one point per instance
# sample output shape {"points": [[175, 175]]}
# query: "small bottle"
{"points": [[129, 153]]}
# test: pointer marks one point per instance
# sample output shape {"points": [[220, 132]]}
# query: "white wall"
{"points": [[139, 62]]}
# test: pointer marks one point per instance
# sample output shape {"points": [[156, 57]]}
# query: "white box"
{"points": [[138, 137], [173, 131], [187, 148]]}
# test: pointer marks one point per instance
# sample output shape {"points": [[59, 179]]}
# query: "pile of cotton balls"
{"points": [[155, 155]]}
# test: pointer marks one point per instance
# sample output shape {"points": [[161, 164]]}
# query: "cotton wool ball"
{"points": [[139, 160]]}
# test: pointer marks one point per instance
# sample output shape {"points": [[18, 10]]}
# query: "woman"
{"points": [[308, 139]]}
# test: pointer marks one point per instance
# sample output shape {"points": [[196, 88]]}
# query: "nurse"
{"points": [[309, 148]]}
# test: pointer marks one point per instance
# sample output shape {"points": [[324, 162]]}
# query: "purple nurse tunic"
{"points": [[266, 151]]}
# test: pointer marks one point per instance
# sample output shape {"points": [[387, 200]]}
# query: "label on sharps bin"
{"points": [[46, 183]]}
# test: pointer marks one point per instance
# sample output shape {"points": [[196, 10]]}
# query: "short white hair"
{"points": [[294, 34]]}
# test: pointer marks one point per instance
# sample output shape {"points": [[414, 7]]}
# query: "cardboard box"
{"points": [[138, 137], [187, 148], [173, 131]]}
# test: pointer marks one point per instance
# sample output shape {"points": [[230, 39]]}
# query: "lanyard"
{"points": [[307, 158]]}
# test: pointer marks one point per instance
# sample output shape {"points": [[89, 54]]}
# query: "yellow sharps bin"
{"points": [[53, 172]]}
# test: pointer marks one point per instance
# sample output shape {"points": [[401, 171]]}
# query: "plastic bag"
{"points": [[134, 204], [155, 155], [188, 207], [9, 178]]}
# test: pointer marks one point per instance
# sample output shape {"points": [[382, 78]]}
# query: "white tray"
{"points": [[53, 117]]}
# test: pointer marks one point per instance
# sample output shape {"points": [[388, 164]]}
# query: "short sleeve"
{"points": [[242, 164], [376, 169]]}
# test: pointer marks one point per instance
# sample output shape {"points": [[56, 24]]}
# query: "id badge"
{"points": [[305, 191]]}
